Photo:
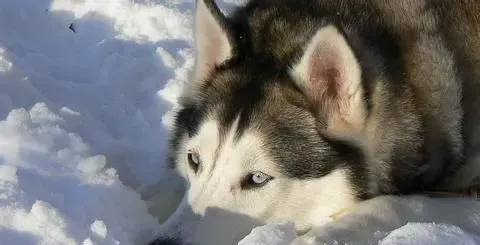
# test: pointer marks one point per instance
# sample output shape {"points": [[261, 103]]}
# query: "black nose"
{"points": [[166, 241]]}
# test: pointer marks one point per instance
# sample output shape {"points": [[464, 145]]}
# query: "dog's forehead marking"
{"points": [[223, 146]]}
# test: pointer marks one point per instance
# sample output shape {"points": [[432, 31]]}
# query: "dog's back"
{"points": [[459, 23], [441, 43]]}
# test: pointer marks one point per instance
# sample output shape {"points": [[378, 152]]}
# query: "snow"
{"points": [[271, 234], [425, 233], [84, 116], [87, 93]]}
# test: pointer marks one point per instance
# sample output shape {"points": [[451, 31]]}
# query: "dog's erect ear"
{"points": [[212, 38], [330, 76]]}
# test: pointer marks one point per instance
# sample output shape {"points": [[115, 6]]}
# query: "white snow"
{"points": [[87, 93], [425, 233], [84, 114], [271, 234]]}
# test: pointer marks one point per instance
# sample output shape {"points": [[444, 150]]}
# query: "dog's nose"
{"points": [[166, 241]]}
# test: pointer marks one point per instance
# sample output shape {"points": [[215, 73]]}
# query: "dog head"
{"points": [[267, 137]]}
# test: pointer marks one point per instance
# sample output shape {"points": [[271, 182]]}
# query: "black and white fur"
{"points": [[299, 109]]}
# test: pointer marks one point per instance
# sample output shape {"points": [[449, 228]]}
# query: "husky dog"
{"points": [[299, 109]]}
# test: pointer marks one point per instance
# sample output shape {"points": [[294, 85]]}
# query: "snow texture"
{"points": [[274, 234], [87, 93]]}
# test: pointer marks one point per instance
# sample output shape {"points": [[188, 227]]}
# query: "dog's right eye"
{"points": [[255, 180], [193, 160]]}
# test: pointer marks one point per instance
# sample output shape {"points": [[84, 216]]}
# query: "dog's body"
{"points": [[298, 109]]}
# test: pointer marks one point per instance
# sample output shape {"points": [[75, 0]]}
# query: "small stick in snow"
{"points": [[72, 27]]}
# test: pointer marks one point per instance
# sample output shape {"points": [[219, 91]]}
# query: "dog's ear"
{"points": [[329, 75], [213, 38]]}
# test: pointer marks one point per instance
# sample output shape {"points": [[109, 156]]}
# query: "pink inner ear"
{"points": [[326, 78], [212, 44]]}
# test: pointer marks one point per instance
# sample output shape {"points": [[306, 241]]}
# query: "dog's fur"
{"points": [[335, 101]]}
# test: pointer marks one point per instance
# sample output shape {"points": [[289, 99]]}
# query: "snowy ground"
{"points": [[87, 89]]}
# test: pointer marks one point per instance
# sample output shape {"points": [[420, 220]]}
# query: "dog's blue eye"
{"points": [[193, 160], [259, 178], [255, 179]]}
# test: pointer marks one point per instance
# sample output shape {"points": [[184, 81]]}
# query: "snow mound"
{"points": [[54, 191], [429, 233], [86, 93], [271, 234]]}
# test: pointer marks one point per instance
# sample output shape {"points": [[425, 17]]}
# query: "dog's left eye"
{"points": [[193, 160], [255, 179]]}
